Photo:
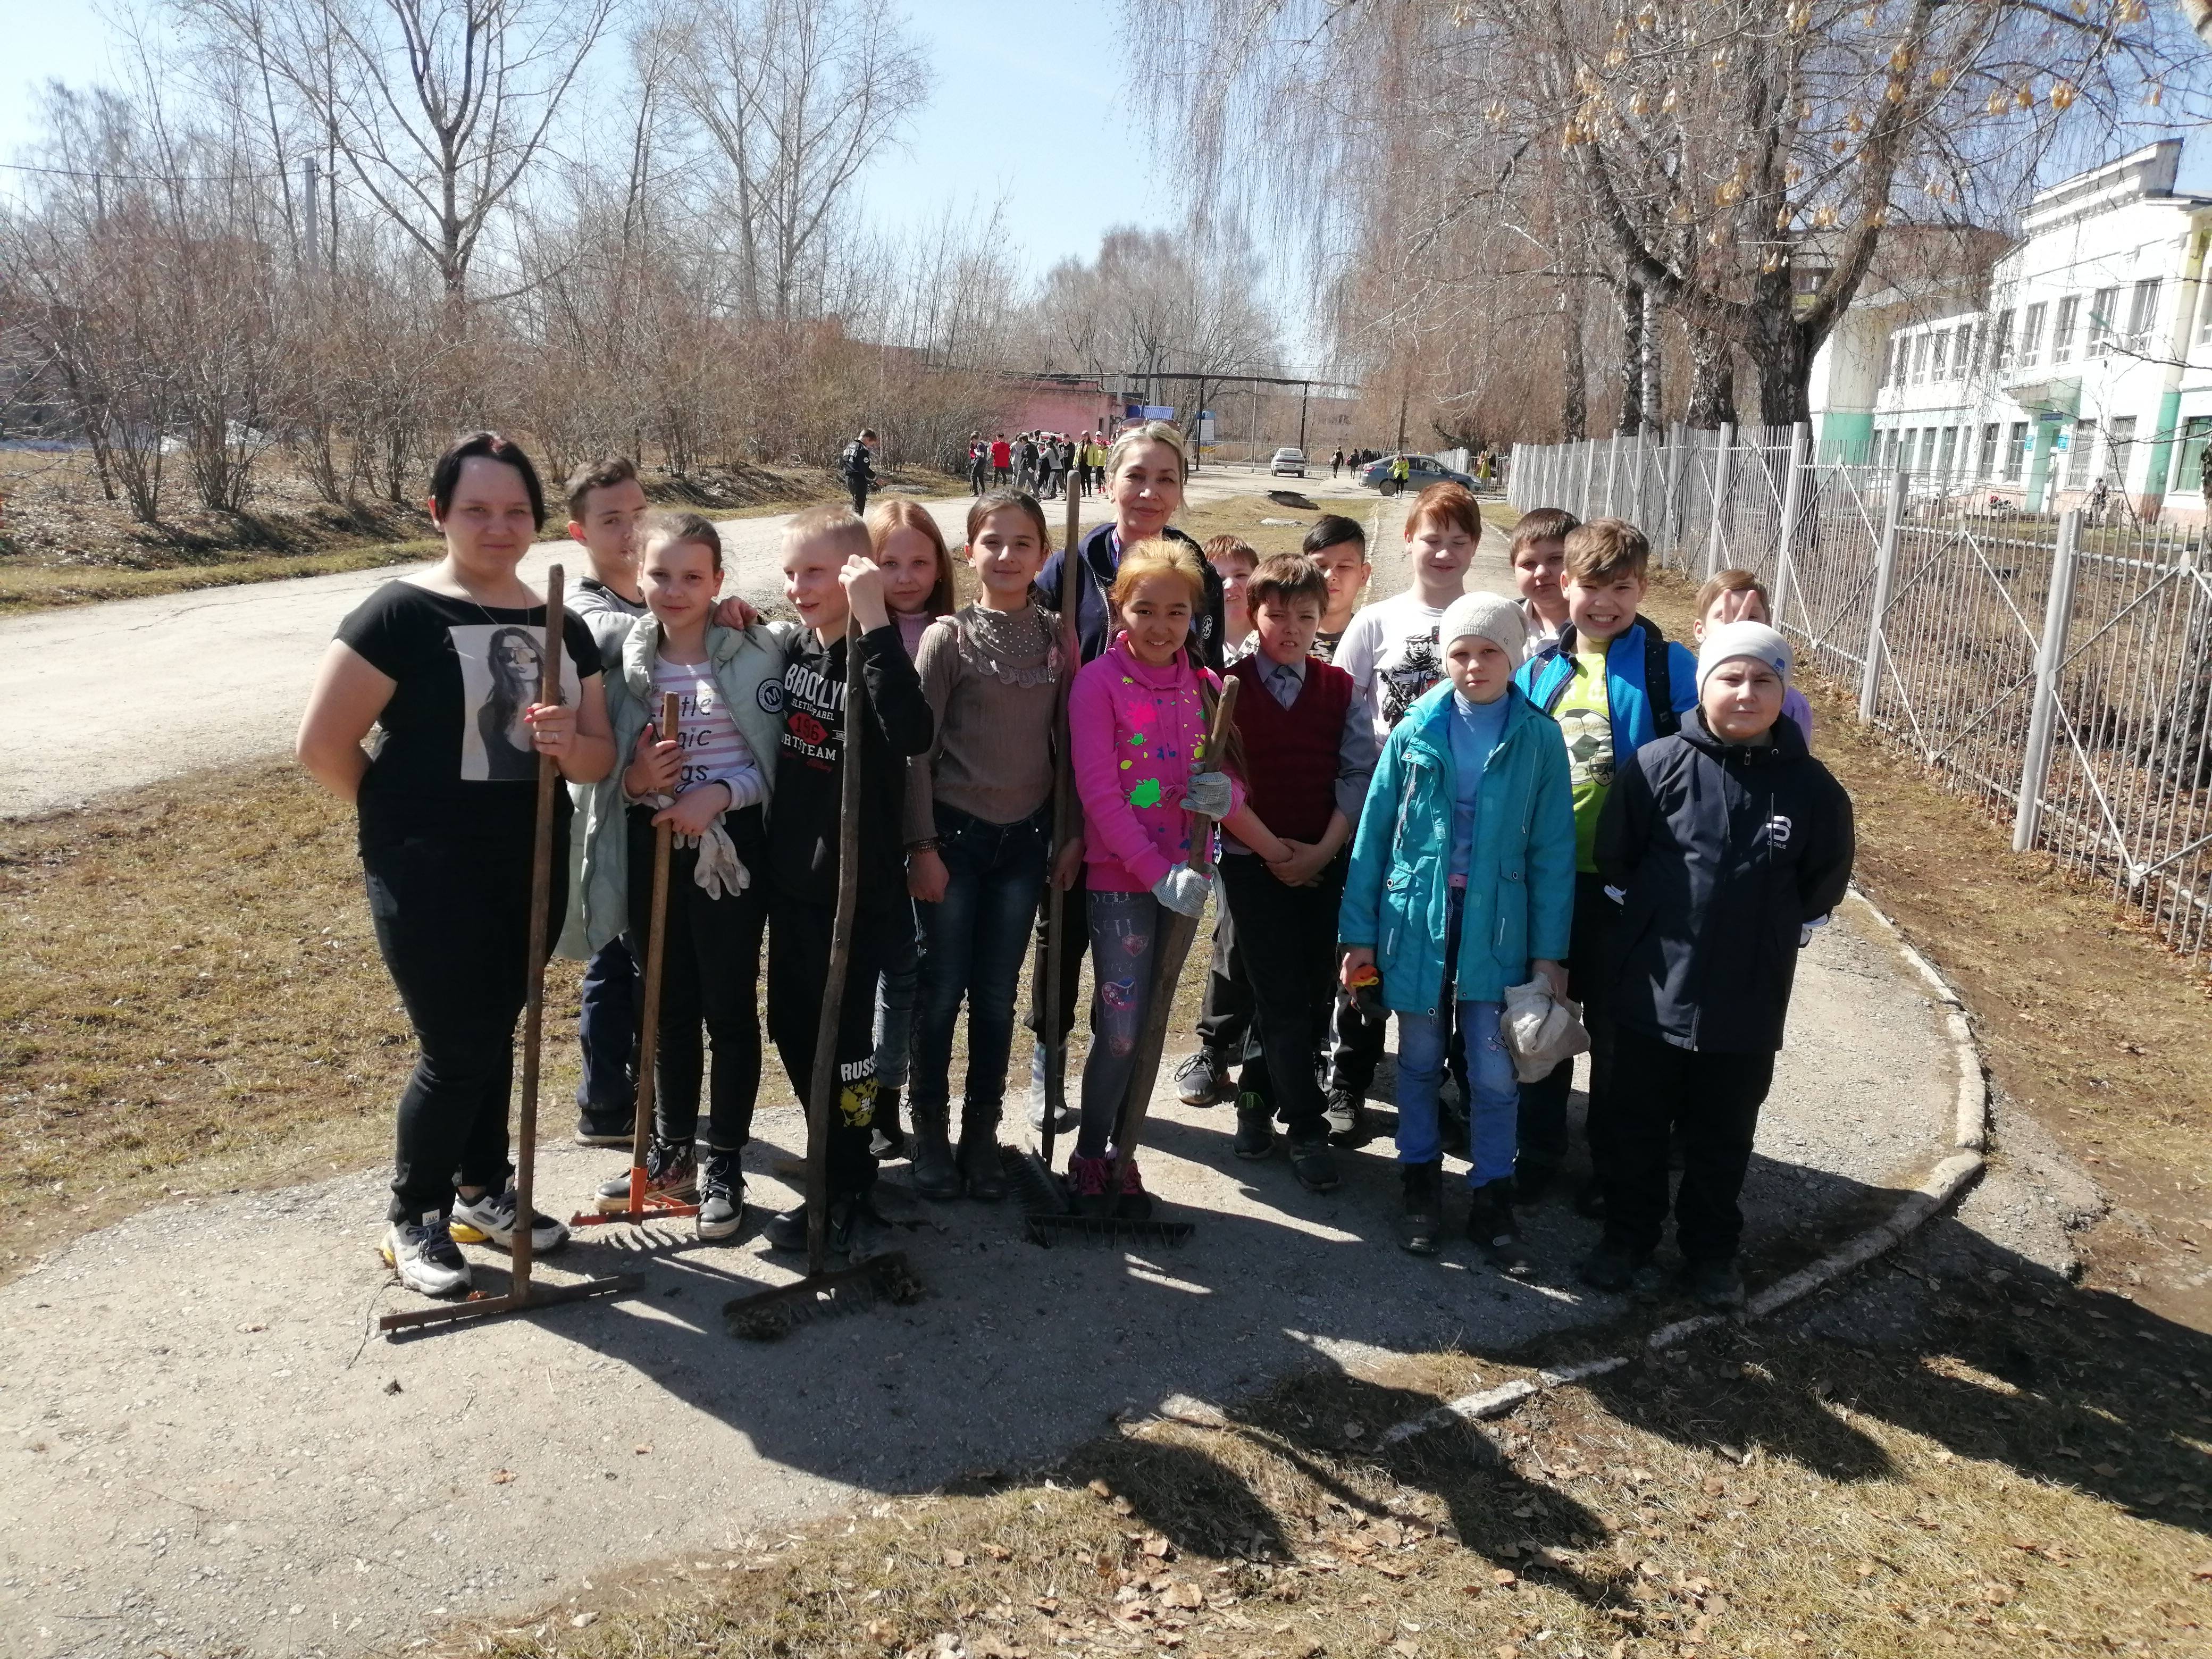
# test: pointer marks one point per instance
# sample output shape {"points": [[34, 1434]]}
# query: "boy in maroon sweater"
{"points": [[1308, 737]]}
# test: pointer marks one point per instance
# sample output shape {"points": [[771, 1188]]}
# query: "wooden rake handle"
{"points": [[648, 1030], [541, 902]]}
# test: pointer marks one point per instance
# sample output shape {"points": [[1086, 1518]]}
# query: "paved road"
{"points": [[101, 697], [206, 1450]]}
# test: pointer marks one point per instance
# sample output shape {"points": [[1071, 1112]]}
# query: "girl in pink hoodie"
{"points": [[1137, 718]]}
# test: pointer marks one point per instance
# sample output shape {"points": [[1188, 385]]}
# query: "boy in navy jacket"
{"points": [[1725, 844]]}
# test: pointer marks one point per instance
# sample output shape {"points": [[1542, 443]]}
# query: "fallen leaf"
{"points": [[1047, 1604], [2107, 1470], [500, 1477], [1123, 1506], [582, 1619], [1185, 1594], [1503, 1576], [998, 1551], [1100, 1489], [1157, 1546], [955, 1559], [879, 1630]]}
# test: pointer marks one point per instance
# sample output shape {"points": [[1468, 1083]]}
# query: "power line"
{"points": [[143, 177]]}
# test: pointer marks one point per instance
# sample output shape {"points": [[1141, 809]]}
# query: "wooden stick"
{"points": [[1067, 824], [822, 1096], [1168, 954], [648, 1035], [541, 904]]}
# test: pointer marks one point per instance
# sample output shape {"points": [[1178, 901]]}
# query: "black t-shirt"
{"points": [[451, 757]]}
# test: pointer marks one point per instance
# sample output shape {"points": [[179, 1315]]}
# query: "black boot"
{"points": [[888, 1143], [935, 1174], [980, 1167], [1423, 1223], [1490, 1225], [1256, 1128]]}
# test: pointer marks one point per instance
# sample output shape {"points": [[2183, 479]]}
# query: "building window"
{"points": [[1919, 358], [2204, 311], [1939, 368], [2119, 448], [2143, 314], [1949, 463], [1981, 340], [2079, 443], [2003, 338], [1888, 361], [2189, 454], [1988, 465], [2062, 331], [2100, 321], [1903, 359], [2015, 461], [2031, 335]]}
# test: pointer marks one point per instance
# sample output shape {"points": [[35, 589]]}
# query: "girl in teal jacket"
{"points": [[1463, 878]]}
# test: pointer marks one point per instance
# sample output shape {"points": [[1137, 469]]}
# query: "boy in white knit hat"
{"points": [[1463, 878], [1723, 840]]}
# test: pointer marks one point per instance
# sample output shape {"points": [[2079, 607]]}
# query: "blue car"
{"points": [[1421, 472]]}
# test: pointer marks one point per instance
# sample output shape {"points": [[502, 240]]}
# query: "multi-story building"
{"points": [[2085, 359]]}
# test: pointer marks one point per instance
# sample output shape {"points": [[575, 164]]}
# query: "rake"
{"points": [[521, 1292], [764, 1315], [643, 1207]]}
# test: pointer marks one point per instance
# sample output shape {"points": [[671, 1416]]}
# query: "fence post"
{"points": [[1793, 507], [2050, 657], [1670, 490], [1612, 470], [1635, 513], [1589, 447], [1885, 573], [1722, 465]]}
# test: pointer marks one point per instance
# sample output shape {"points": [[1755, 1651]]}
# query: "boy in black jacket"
{"points": [[1727, 843], [830, 578]]}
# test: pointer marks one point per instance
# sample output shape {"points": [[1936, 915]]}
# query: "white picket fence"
{"points": [[2060, 672]]}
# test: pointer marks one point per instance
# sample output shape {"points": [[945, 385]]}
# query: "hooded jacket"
{"points": [[1635, 723], [748, 669], [1722, 853], [1521, 871], [1099, 557]]}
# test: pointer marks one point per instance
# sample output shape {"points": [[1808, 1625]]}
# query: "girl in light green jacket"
{"points": [[710, 786]]}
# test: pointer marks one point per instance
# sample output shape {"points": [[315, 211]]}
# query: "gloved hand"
{"points": [[1207, 795], [1183, 890]]}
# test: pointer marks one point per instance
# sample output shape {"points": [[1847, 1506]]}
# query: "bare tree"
{"points": [[796, 98]]}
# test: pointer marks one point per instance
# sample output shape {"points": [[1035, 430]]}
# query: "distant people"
{"points": [[1336, 462], [1002, 461], [978, 465], [858, 465]]}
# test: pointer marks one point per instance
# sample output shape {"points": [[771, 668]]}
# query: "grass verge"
{"points": [[2028, 1478]]}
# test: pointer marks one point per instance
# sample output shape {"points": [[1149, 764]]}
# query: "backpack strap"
{"points": [[1658, 678]]}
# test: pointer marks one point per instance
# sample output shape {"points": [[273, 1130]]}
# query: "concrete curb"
{"points": [[1950, 1177]]}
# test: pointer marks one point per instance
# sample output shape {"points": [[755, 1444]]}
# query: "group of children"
{"points": [[1420, 803]]}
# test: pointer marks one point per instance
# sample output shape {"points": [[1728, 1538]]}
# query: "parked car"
{"points": [[1288, 463], [1421, 472]]}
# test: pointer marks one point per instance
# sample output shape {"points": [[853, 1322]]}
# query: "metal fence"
{"points": [[2056, 670]]}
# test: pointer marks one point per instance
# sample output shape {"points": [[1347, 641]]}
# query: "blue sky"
{"points": [[1026, 101]]}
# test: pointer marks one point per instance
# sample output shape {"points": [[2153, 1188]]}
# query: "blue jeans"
{"points": [[975, 940], [607, 1033], [1124, 928], [895, 994], [1494, 1104]]}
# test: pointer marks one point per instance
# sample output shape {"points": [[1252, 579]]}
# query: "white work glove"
{"points": [[1805, 932], [1183, 890], [1207, 794], [720, 872]]}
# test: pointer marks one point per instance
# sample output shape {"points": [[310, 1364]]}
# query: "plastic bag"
{"points": [[1539, 1030]]}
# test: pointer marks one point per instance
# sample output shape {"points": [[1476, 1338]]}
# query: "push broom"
{"points": [[643, 1207], [766, 1315], [521, 1293]]}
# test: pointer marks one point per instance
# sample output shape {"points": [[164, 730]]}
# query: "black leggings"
{"points": [[797, 972], [452, 922], [709, 975]]}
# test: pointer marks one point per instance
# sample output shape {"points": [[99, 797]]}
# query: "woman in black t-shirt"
{"points": [[447, 666]]}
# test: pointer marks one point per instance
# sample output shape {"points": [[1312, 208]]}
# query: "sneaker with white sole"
{"points": [[492, 1215], [669, 1174], [721, 1196], [425, 1257]]}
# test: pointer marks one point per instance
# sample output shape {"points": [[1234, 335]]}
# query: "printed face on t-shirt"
{"points": [[501, 664], [1417, 666]]}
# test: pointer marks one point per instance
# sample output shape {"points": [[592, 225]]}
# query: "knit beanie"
{"points": [[1493, 618], [1743, 639]]}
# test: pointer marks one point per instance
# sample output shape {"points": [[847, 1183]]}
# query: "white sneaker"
{"points": [[425, 1257], [492, 1215]]}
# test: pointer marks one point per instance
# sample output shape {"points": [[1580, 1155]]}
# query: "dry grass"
{"points": [[1763, 1494], [60, 546]]}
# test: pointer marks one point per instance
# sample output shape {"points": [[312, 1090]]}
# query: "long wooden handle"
{"points": [[1067, 824], [822, 1096], [1217, 740], [648, 1036], [541, 903]]}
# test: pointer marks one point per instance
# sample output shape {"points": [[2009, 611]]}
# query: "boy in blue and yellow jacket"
{"points": [[1461, 878], [1613, 684]]}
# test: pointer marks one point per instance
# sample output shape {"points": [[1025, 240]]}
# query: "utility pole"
{"points": [[1403, 394], [1304, 388], [310, 188]]}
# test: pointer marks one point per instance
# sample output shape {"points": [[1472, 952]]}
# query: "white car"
{"points": [[1288, 463]]}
